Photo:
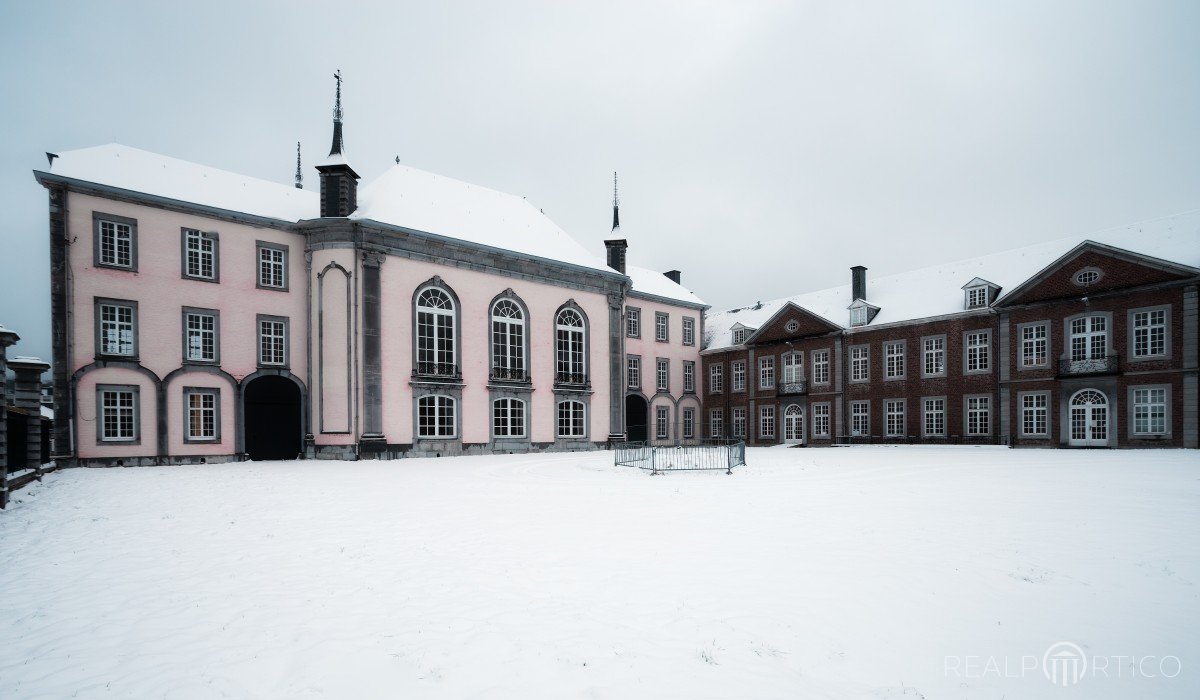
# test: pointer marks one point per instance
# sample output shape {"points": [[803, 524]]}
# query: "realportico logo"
{"points": [[1064, 663]]}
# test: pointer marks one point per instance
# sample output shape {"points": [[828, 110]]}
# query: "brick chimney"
{"points": [[858, 282], [616, 253]]}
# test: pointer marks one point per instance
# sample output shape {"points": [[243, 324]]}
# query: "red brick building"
{"points": [[1087, 341]]}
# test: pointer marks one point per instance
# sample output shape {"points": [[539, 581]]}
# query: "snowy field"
{"points": [[868, 572]]}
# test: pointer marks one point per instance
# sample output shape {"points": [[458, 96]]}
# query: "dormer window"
{"points": [[858, 316], [977, 297], [979, 293], [739, 336]]}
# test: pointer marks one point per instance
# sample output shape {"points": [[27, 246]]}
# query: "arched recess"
{"points": [[160, 399], [274, 414], [204, 369], [637, 418], [334, 352]]}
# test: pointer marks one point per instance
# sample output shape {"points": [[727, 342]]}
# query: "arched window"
{"points": [[436, 417], [571, 419], [569, 348], [508, 418], [435, 334], [508, 341]]}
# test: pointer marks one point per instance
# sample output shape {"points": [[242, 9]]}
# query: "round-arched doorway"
{"points": [[637, 418], [1089, 419], [793, 425], [272, 413]]}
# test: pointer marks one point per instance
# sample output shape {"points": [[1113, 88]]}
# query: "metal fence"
{"points": [[919, 440], [705, 456]]}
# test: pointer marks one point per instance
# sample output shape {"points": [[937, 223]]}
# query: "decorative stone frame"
{"points": [[216, 241], [683, 336], [287, 341], [509, 295], [945, 416], [689, 364], [97, 217], [1083, 270], [659, 388], [188, 391], [137, 414], [712, 389], [884, 413], [628, 310], [1131, 412], [945, 358], [666, 318], [745, 376], [581, 396], [763, 360], [1019, 342], [99, 334], [828, 352], [1020, 418], [812, 410], [587, 352], [436, 282], [850, 356], [991, 399], [966, 353], [850, 414], [1110, 343], [519, 393], [421, 390], [883, 357], [628, 385], [712, 414], [287, 265], [183, 334], [1167, 328]]}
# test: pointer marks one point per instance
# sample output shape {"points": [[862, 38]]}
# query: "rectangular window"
{"points": [[633, 322], [766, 421], [977, 297], [663, 372], [935, 356], [272, 341], [633, 372], [935, 417], [115, 241], [436, 417], [858, 316], [739, 422], [979, 415], [738, 370], [1089, 338], [820, 414], [1149, 411], [689, 423], [689, 331], [662, 325], [893, 360], [739, 336], [766, 372], [118, 414], [200, 336], [689, 376], [820, 366], [860, 363], [978, 348], [716, 379], [860, 418], [117, 328], [571, 423], [662, 422], [793, 368], [1035, 414], [202, 414], [1034, 346], [508, 418], [272, 266], [199, 254], [716, 423], [1150, 333], [894, 412]]}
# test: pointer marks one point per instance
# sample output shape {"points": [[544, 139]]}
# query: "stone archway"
{"points": [[272, 408]]}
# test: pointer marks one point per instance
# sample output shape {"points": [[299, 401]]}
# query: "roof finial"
{"points": [[336, 148], [616, 204], [299, 173]]}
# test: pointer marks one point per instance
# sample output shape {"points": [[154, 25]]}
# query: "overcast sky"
{"points": [[763, 148]]}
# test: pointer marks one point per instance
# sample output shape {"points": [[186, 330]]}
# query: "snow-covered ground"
{"points": [[838, 573]]}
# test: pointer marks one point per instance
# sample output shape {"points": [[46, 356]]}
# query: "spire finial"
{"points": [[616, 204], [299, 173], [336, 148]]}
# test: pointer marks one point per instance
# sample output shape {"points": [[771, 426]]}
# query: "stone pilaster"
{"points": [[616, 367], [372, 348], [60, 299]]}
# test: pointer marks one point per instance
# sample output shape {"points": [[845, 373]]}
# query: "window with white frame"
{"points": [[860, 418], [272, 266], [716, 379], [272, 341], [1089, 338], [568, 347], [1034, 345], [738, 370], [820, 366], [935, 417], [508, 418], [689, 376], [793, 368], [1035, 414], [716, 423], [979, 415], [1149, 411], [739, 336], [436, 351], [820, 414], [766, 421], [893, 360], [662, 326], [117, 329], [858, 316], [662, 367], [571, 423], [508, 340], [860, 363], [662, 422], [688, 418], [202, 406], [893, 410], [935, 356], [977, 297], [200, 336], [739, 422], [633, 372], [1150, 333], [766, 372], [118, 414], [116, 243], [633, 322], [436, 417], [978, 351], [199, 254], [689, 330]]}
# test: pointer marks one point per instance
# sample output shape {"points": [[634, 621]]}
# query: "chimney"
{"points": [[858, 280], [673, 275], [616, 253]]}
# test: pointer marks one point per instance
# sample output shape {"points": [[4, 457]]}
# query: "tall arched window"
{"points": [[435, 334], [508, 341], [436, 417], [569, 348]]}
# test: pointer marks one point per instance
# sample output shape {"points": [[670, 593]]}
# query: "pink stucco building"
{"points": [[204, 315]]}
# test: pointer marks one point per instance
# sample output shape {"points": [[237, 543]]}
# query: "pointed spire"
{"points": [[299, 173], [616, 204], [336, 148]]}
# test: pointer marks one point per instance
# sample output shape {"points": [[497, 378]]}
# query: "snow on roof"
{"points": [[657, 284], [937, 290], [133, 169]]}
